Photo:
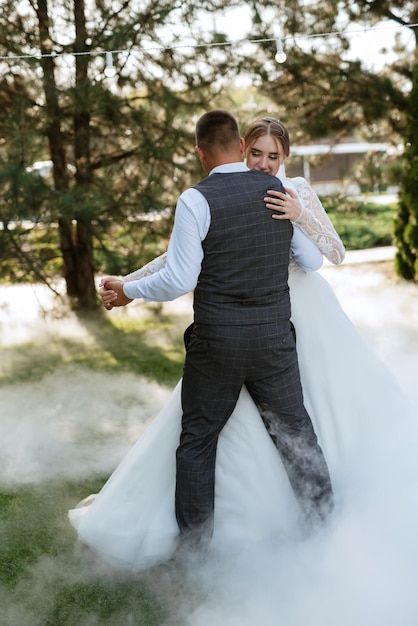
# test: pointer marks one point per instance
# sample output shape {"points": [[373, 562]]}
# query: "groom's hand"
{"points": [[111, 292]]}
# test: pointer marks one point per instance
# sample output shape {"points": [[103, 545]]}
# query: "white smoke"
{"points": [[72, 425], [358, 571]]}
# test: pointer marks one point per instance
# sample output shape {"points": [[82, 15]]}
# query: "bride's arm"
{"points": [[150, 268], [315, 223], [108, 294]]}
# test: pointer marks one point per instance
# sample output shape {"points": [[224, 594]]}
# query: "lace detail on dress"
{"points": [[315, 223], [150, 268]]}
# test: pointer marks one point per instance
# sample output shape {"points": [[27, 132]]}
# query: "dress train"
{"points": [[354, 402]]}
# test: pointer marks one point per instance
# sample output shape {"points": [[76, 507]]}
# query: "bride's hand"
{"points": [[287, 203], [107, 294], [111, 291]]}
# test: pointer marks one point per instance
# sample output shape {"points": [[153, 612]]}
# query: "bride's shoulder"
{"points": [[298, 181], [301, 185]]}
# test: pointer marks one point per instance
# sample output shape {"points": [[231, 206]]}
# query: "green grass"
{"points": [[46, 577], [147, 346], [44, 580]]}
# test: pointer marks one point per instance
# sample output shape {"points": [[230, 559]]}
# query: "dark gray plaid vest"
{"points": [[243, 279]]}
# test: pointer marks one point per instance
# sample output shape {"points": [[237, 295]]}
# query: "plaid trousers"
{"points": [[219, 361]]}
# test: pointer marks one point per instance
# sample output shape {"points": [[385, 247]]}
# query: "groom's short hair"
{"points": [[217, 130]]}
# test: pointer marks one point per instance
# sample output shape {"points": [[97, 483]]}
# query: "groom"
{"points": [[226, 247]]}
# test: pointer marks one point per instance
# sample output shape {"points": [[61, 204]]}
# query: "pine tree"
{"points": [[118, 146], [321, 92], [406, 222]]}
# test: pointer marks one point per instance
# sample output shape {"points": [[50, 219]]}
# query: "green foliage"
{"points": [[361, 225], [321, 90], [122, 248], [124, 146], [406, 224], [117, 147], [29, 251]]}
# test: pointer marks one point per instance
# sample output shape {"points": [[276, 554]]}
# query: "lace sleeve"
{"points": [[150, 268], [316, 225]]}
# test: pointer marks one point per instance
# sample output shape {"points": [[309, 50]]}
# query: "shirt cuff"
{"points": [[130, 290]]}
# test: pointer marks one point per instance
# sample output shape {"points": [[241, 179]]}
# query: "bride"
{"points": [[349, 393]]}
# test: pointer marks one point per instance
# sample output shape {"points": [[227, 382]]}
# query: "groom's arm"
{"points": [[184, 254], [304, 251]]}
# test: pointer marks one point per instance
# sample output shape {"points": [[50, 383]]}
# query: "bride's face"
{"points": [[266, 154]]}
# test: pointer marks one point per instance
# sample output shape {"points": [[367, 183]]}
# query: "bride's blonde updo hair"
{"points": [[268, 126]]}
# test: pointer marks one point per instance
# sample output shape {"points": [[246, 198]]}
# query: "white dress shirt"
{"points": [[185, 252]]}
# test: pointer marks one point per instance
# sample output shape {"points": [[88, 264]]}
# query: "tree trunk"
{"points": [[56, 144], [75, 232], [84, 239], [67, 239]]}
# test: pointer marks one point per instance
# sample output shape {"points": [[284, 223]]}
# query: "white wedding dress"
{"points": [[350, 394]]}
